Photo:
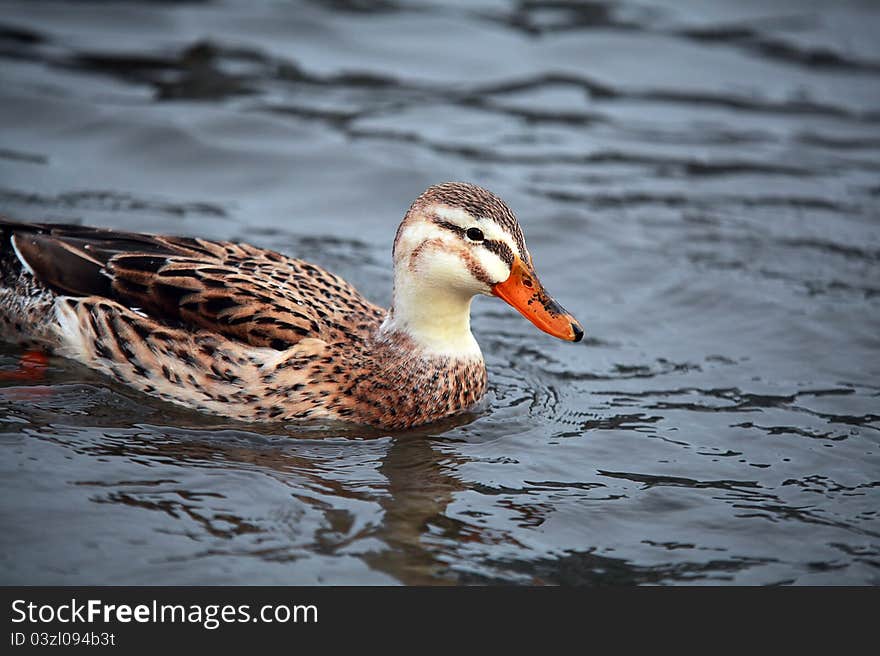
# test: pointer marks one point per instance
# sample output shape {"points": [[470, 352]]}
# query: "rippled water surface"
{"points": [[699, 183]]}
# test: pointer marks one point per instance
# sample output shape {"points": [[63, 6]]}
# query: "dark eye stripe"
{"points": [[500, 249], [449, 226]]}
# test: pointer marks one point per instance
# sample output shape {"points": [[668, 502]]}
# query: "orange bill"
{"points": [[524, 291]]}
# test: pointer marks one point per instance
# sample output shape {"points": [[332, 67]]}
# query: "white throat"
{"points": [[438, 319]]}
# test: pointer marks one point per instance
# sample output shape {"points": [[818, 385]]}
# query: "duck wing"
{"points": [[249, 294]]}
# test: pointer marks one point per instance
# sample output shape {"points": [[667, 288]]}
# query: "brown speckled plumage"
{"points": [[232, 329], [366, 378]]}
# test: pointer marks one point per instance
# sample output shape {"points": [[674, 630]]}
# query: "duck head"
{"points": [[456, 241]]}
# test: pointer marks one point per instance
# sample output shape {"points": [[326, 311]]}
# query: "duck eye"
{"points": [[474, 234]]}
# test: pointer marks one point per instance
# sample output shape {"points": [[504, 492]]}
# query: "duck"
{"points": [[254, 335]]}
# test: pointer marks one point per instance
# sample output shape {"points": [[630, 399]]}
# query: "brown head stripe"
{"points": [[476, 270], [477, 202]]}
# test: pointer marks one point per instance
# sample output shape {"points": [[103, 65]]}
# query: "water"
{"points": [[698, 183]]}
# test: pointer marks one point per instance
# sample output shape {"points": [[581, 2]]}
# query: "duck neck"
{"points": [[436, 318]]}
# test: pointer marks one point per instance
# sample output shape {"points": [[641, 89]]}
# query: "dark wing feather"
{"points": [[253, 295]]}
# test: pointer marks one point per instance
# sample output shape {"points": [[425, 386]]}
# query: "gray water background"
{"points": [[697, 181]]}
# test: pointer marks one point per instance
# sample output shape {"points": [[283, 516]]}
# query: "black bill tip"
{"points": [[577, 331]]}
